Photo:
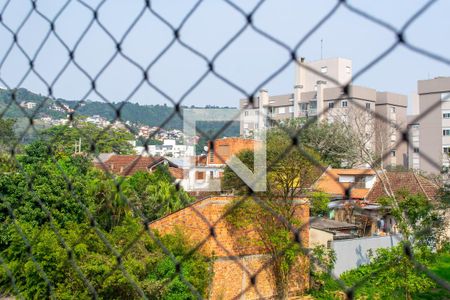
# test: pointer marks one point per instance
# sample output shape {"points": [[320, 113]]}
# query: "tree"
{"points": [[7, 135], [331, 141], [290, 172], [319, 203], [145, 263], [391, 273], [420, 221], [93, 139], [48, 200], [155, 194]]}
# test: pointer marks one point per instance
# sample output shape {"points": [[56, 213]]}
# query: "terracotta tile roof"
{"points": [[129, 164], [415, 183], [329, 183], [354, 171], [177, 173]]}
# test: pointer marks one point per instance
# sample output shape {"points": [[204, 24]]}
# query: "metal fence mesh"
{"points": [[401, 39]]}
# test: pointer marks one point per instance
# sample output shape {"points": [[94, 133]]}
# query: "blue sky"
{"points": [[247, 62]]}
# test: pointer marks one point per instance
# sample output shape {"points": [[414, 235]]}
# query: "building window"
{"points": [[415, 126], [246, 113], [445, 96], [393, 109], [416, 150], [200, 175], [446, 149], [324, 69], [446, 115], [330, 104], [348, 69], [313, 105], [344, 103], [304, 106], [281, 110], [291, 109], [446, 132], [393, 153], [368, 106]]}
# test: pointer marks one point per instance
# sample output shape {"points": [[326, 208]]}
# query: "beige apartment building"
{"points": [[429, 126], [318, 93]]}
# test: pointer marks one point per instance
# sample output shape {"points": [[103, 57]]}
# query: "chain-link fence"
{"points": [[23, 169]]}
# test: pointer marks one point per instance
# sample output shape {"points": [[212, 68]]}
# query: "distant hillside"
{"points": [[152, 115]]}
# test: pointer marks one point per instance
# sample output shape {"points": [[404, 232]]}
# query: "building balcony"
{"points": [[308, 113]]}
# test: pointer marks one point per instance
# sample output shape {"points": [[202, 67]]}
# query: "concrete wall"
{"points": [[350, 254], [319, 237]]}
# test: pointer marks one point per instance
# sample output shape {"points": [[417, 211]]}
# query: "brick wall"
{"points": [[225, 148], [230, 280]]}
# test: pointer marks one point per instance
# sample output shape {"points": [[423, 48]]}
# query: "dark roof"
{"points": [[414, 183], [330, 225], [130, 164]]}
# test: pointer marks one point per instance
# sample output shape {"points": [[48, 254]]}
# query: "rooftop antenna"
{"points": [[321, 49]]}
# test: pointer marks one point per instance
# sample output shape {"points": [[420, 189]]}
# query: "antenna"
{"points": [[321, 49]]}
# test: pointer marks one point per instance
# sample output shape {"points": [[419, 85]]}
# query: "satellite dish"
{"points": [[205, 148]]}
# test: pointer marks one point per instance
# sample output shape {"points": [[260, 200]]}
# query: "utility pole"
{"points": [[321, 49]]}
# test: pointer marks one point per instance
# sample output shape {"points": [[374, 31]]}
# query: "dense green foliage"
{"points": [[319, 203], [390, 275], [55, 202], [395, 274], [332, 141], [93, 139], [419, 220], [7, 136], [144, 266]]}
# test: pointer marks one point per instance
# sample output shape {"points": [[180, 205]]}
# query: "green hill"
{"points": [[152, 115]]}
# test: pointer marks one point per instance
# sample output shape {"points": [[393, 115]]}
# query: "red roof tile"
{"points": [[414, 183], [129, 164], [176, 173], [329, 183]]}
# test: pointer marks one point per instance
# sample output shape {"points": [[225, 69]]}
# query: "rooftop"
{"points": [[130, 164], [327, 224]]}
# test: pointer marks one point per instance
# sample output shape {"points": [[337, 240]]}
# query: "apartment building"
{"points": [[392, 122], [318, 93], [429, 126], [168, 148]]}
